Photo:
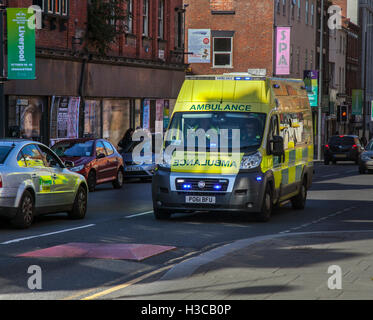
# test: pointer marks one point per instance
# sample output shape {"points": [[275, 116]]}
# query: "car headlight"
{"points": [[78, 168], [251, 161]]}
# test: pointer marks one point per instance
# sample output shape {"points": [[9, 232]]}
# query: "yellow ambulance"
{"points": [[260, 156]]}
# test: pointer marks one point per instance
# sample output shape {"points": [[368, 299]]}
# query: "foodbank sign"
{"points": [[21, 44]]}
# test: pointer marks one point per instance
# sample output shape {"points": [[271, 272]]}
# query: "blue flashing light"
{"points": [[187, 186], [217, 187], [259, 179]]}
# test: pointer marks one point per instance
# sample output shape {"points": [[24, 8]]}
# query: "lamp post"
{"points": [[319, 109], [365, 77]]}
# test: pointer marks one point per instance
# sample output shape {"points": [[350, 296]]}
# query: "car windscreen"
{"points": [[224, 125], [73, 149], [344, 141], [4, 151]]}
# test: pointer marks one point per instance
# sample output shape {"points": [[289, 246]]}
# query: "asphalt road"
{"points": [[340, 199]]}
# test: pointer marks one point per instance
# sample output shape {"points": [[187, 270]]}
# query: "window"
{"points": [[306, 60], [179, 23], [278, 6], [32, 156], [223, 48], [299, 10], [273, 131], [145, 18], [311, 60], [292, 6], [59, 7], [161, 19], [307, 12], [109, 148], [129, 16], [51, 161], [284, 7], [100, 149], [312, 14], [296, 129], [4, 151]]}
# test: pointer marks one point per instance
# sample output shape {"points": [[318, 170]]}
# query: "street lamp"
{"points": [[365, 77]]}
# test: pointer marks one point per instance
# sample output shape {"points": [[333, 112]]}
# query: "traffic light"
{"points": [[344, 114]]}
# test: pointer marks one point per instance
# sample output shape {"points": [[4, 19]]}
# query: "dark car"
{"points": [[136, 168], [342, 148], [366, 159], [96, 159]]}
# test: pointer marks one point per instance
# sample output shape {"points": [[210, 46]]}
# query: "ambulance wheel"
{"points": [[299, 201], [160, 214], [267, 206]]}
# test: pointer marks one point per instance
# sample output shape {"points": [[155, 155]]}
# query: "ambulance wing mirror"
{"points": [[278, 148]]}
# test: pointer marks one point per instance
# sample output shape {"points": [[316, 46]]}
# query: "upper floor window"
{"points": [[312, 14], [299, 9], [129, 16], [161, 19], [223, 52], [145, 18], [58, 7], [307, 14]]}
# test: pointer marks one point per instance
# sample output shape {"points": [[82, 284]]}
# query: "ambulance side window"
{"points": [[273, 131]]}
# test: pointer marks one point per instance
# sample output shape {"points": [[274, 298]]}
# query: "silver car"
{"points": [[34, 180], [366, 159]]}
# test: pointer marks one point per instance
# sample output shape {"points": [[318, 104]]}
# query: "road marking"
{"points": [[46, 234], [138, 214], [127, 284]]}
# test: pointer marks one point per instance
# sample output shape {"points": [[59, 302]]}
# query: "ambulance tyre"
{"points": [[299, 201], [160, 214], [267, 206]]}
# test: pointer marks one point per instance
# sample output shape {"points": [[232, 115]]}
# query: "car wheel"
{"points": [[25, 212], [267, 206], [299, 201], [80, 205], [160, 214], [91, 181], [118, 182]]}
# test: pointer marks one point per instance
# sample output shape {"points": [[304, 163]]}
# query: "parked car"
{"points": [[366, 159], [96, 159], [34, 180], [342, 148], [136, 168]]}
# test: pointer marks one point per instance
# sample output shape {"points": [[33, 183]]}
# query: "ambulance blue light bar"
{"points": [[242, 78]]}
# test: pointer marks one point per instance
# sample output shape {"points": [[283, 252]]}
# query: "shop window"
{"points": [[92, 119], [116, 119]]}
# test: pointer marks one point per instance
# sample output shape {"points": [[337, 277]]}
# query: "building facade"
{"points": [[133, 85]]}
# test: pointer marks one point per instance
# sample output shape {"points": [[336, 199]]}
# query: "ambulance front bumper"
{"points": [[244, 193]]}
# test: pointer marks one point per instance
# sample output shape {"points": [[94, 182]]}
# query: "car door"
{"points": [[101, 162], [64, 182], [32, 159], [112, 161]]}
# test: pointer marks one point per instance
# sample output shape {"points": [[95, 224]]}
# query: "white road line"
{"points": [[46, 234], [138, 214]]}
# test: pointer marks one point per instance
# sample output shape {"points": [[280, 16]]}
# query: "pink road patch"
{"points": [[137, 252]]}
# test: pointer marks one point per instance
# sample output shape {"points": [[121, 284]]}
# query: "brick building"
{"points": [[136, 83], [243, 35]]}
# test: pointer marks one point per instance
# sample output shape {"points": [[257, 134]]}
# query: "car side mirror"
{"points": [[278, 148], [69, 164], [100, 156]]}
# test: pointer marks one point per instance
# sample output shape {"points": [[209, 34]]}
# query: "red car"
{"points": [[96, 159]]}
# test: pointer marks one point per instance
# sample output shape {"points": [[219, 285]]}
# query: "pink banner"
{"points": [[283, 51]]}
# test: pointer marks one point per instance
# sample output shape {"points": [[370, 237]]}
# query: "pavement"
{"points": [[291, 266]]}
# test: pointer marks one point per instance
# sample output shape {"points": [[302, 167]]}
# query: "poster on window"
{"points": [[199, 45], [67, 117], [146, 115], [159, 116]]}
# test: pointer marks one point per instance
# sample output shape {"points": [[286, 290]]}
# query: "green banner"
{"points": [[21, 44], [357, 102]]}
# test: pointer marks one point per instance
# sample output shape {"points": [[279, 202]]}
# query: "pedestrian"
{"points": [[363, 141], [125, 142]]}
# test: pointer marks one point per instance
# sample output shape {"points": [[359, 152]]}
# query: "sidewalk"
{"points": [[281, 266]]}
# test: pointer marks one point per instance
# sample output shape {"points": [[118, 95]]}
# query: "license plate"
{"points": [[200, 199], [134, 169], [340, 156]]}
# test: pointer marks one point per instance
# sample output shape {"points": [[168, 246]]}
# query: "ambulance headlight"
{"points": [[252, 161]]}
